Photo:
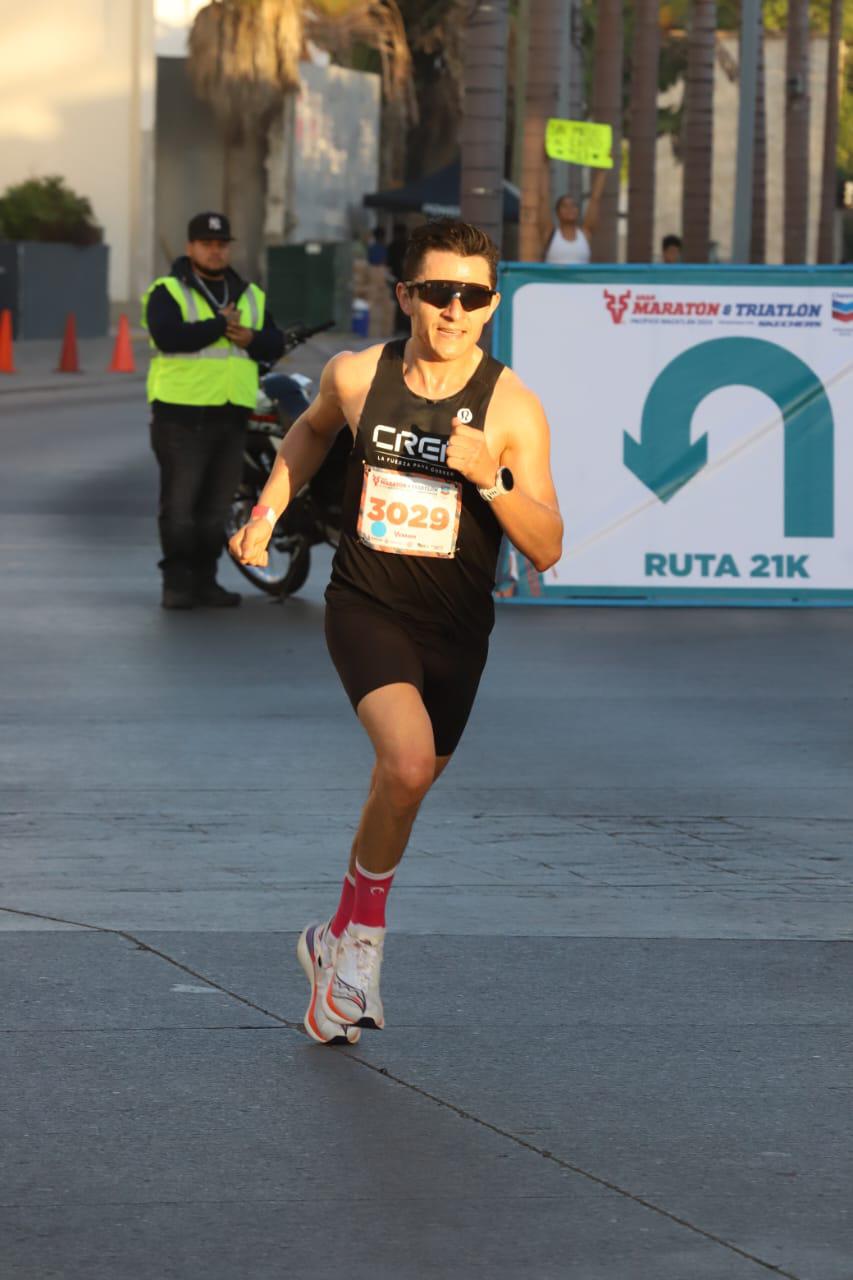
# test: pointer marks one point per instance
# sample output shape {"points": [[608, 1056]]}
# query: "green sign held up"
{"points": [[580, 142]]}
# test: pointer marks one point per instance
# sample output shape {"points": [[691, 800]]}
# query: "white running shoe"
{"points": [[352, 997], [316, 952]]}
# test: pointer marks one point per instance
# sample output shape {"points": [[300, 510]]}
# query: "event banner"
{"points": [[702, 429]]}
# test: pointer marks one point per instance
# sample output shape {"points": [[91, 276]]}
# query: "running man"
{"points": [[450, 451]]}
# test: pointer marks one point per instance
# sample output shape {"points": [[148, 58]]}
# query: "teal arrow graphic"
{"points": [[665, 460]]}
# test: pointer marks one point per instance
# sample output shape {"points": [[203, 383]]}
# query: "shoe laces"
{"points": [[367, 953]]}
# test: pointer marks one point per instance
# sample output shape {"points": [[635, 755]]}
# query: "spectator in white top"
{"points": [[570, 243]]}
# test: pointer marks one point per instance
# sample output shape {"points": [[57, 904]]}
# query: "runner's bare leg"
{"points": [[397, 724]]}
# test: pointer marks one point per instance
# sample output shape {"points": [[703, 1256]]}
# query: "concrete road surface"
{"points": [[618, 983]]}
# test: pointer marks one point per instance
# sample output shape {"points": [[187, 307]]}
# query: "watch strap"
{"points": [[495, 491]]}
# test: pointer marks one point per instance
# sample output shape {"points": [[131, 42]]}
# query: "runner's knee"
{"points": [[405, 777]]}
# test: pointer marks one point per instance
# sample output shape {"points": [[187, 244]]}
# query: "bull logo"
{"points": [[617, 304]]}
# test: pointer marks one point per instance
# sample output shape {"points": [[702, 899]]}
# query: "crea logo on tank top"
{"points": [[402, 443]]}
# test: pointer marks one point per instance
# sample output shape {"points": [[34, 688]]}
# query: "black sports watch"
{"points": [[504, 483]]}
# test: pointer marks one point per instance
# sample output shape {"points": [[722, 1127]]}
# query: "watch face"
{"points": [[506, 478]]}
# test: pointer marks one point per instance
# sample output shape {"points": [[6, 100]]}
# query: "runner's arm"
{"points": [[308, 441], [530, 514], [301, 454]]}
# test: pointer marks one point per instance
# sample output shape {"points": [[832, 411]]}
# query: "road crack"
{"points": [[351, 1056]]}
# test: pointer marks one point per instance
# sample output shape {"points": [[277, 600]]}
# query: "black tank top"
{"points": [[401, 441]]}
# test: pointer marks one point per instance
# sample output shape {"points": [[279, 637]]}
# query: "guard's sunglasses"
{"points": [[440, 293]]}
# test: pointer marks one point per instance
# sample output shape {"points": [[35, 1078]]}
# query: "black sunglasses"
{"points": [[440, 293]]}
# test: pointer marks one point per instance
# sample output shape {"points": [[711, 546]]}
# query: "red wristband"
{"points": [[264, 513]]}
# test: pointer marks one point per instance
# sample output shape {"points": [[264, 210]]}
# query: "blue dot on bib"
{"points": [[379, 528]]}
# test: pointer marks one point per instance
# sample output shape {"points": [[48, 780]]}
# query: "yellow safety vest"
{"points": [[219, 374]]}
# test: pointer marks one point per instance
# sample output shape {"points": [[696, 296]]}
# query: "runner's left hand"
{"points": [[467, 454]]}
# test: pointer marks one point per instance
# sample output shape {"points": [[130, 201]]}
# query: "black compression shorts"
{"points": [[371, 647]]}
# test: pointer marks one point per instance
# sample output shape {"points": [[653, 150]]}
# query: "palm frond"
{"points": [[336, 24], [244, 58]]}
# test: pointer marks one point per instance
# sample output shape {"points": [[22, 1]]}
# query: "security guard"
{"points": [[209, 330]]}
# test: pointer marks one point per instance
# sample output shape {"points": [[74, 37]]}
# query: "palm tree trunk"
{"points": [[826, 226], [484, 116], [758, 231], [699, 131], [542, 98], [606, 108], [246, 200], [643, 131], [797, 133], [576, 93]]}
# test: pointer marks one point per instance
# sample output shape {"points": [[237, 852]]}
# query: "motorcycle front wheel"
{"points": [[289, 555]]}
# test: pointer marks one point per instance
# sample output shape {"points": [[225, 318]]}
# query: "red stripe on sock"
{"points": [[371, 895]]}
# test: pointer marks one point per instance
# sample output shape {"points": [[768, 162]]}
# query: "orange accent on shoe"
{"points": [[310, 1017], [338, 1012]]}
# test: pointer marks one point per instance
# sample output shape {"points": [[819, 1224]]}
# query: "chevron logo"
{"points": [[842, 307]]}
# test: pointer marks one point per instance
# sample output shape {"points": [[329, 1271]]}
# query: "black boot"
{"points": [[177, 598], [212, 596]]}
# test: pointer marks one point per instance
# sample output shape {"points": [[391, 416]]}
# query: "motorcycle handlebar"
{"points": [[300, 333]]}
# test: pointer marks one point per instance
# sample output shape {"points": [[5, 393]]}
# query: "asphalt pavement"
{"points": [[618, 976]]}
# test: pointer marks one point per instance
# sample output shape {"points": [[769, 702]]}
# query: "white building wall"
{"points": [[77, 99]]}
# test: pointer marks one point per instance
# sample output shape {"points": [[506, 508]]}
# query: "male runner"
{"points": [[451, 451]]}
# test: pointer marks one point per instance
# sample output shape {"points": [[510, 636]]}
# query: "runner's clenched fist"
{"points": [[249, 544], [467, 454]]}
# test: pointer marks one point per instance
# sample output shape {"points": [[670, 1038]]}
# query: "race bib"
{"points": [[410, 515]]}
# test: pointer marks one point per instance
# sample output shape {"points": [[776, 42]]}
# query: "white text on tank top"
{"points": [[563, 252]]}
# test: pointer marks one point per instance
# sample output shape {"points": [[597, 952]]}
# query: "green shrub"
{"points": [[46, 209]]}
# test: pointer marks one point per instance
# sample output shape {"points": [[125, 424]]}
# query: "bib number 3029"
{"points": [[409, 515]]}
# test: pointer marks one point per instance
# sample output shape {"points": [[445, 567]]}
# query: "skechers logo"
{"points": [[390, 440]]}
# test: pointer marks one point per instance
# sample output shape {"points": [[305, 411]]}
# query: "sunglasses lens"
{"points": [[439, 293], [436, 292], [474, 296]]}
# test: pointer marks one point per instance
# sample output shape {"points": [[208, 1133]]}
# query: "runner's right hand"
{"points": [[249, 544]]}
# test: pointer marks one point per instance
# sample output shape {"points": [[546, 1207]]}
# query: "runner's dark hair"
{"points": [[449, 235]]}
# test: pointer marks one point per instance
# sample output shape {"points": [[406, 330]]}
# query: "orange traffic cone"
{"points": [[7, 360], [122, 361], [68, 361]]}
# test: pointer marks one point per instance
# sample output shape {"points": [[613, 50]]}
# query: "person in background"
{"points": [[377, 250], [570, 243], [671, 248], [209, 329]]}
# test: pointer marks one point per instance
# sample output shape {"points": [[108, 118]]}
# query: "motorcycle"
{"points": [[314, 514]]}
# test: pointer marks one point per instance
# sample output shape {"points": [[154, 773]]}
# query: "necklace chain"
{"points": [[215, 303]]}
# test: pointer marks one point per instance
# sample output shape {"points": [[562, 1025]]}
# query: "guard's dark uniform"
{"points": [[199, 446]]}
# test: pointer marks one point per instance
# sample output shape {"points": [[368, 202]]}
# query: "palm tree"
{"points": [[606, 108], [541, 102], [484, 114], [698, 130], [244, 61], [758, 230], [797, 132], [436, 33], [643, 131], [826, 225], [337, 25]]}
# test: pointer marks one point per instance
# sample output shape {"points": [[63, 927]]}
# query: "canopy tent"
{"points": [[437, 195]]}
